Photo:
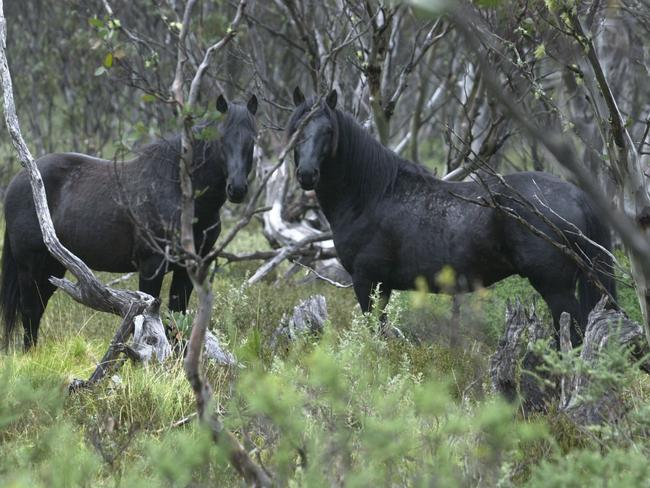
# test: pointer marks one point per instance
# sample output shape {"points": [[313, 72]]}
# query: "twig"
{"points": [[492, 202], [122, 278], [324, 278], [196, 265], [645, 135]]}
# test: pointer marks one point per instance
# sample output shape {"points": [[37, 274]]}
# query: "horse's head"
{"points": [[318, 140], [237, 143]]}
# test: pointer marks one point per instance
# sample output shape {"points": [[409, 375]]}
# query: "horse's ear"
{"points": [[222, 105], [298, 97], [252, 105], [331, 99]]}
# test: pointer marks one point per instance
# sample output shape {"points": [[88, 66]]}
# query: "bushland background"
{"points": [[349, 408]]}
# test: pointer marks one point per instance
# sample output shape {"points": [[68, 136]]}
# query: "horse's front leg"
{"points": [[151, 273], [364, 290], [180, 290]]}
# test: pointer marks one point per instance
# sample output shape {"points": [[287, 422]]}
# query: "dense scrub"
{"points": [[349, 408]]}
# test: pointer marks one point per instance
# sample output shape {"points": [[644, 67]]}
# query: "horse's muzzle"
{"points": [[308, 179], [236, 193]]}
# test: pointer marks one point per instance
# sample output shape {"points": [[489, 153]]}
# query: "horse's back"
{"points": [[81, 196], [426, 224], [420, 227]]}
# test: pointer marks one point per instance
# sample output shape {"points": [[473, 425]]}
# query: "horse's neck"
{"points": [[209, 183], [209, 174], [334, 197], [208, 179], [345, 193], [341, 189]]}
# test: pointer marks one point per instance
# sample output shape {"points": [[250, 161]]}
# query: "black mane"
{"points": [[166, 151], [369, 166]]}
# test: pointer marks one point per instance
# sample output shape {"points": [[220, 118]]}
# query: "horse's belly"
{"points": [[103, 257], [102, 248], [416, 267]]}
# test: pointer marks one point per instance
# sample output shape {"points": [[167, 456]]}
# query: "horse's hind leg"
{"points": [[564, 300], [180, 290], [35, 292], [363, 291]]}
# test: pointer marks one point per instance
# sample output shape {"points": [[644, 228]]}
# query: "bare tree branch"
{"points": [[197, 266]]}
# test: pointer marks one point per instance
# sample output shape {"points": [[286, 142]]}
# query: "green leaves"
{"points": [[95, 22], [207, 133], [176, 26], [557, 6], [107, 63], [489, 3], [108, 60], [151, 61], [106, 30]]}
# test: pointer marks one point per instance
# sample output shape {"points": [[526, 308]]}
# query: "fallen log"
{"points": [[214, 351]]}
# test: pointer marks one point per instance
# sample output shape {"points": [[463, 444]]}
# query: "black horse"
{"points": [[394, 222], [119, 217]]}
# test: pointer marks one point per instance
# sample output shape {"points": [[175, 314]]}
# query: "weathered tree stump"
{"points": [[214, 351], [519, 372], [605, 328], [515, 367], [308, 316], [149, 339]]}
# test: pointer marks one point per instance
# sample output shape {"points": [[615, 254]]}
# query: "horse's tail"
{"points": [[602, 265], [9, 292]]}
